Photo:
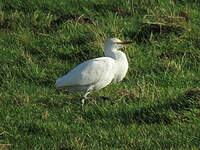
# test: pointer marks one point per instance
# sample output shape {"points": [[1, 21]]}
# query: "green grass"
{"points": [[156, 106]]}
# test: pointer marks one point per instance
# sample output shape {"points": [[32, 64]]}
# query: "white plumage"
{"points": [[97, 73]]}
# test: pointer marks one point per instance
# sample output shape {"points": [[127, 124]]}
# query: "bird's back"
{"points": [[96, 72]]}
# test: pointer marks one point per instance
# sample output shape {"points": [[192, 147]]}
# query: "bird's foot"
{"points": [[94, 98], [105, 98], [101, 98]]}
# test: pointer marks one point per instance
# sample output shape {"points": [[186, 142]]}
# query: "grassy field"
{"points": [[156, 106]]}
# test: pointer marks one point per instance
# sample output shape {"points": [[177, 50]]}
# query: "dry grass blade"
{"points": [[167, 22], [179, 53]]}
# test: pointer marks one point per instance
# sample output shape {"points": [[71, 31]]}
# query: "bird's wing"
{"points": [[88, 73]]}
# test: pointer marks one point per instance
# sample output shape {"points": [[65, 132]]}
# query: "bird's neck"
{"points": [[121, 63], [115, 54]]}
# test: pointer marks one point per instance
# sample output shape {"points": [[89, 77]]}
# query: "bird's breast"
{"points": [[121, 70]]}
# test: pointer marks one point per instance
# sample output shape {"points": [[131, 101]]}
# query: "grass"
{"points": [[156, 106]]}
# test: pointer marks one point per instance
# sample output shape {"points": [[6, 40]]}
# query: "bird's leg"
{"points": [[84, 97]]}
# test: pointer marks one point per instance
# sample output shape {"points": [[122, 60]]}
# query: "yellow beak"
{"points": [[124, 42]]}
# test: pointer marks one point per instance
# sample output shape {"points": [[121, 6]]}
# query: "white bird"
{"points": [[95, 74]]}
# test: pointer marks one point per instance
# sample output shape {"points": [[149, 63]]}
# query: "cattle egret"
{"points": [[95, 74]]}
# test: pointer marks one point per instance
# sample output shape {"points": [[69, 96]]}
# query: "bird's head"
{"points": [[114, 44]]}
